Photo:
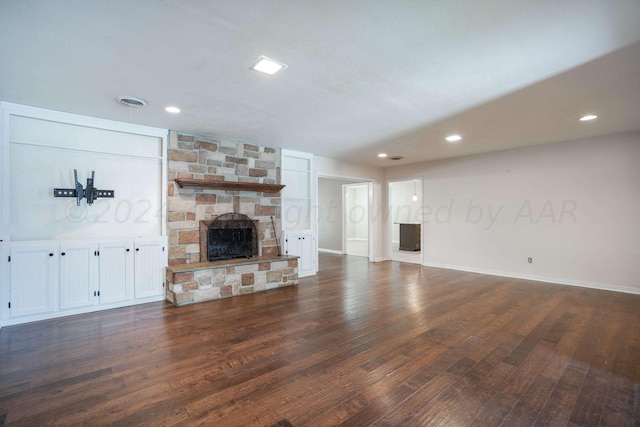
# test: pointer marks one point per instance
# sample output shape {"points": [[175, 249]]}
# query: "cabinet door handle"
{"points": [[128, 249], [137, 249], [63, 253], [50, 253]]}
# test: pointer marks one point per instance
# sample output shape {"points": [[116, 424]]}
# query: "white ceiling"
{"points": [[362, 77]]}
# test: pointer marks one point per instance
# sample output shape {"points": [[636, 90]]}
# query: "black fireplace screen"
{"points": [[231, 236]]}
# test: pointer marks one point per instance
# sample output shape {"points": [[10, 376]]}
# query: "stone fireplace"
{"points": [[230, 190]]}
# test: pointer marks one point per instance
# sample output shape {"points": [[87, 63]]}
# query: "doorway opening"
{"points": [[344, 206], [356, 219], [405, 222]]}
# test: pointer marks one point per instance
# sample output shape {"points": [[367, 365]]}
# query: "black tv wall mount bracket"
{"points": [[90, 193]]}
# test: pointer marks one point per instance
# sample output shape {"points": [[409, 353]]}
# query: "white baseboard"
{"points": [[307, 274], [331, 251], [546, 279]]}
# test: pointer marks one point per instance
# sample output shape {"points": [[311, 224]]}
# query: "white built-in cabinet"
{"points": [[50, 278], [302, 244], [298, 219], [61, 256]]}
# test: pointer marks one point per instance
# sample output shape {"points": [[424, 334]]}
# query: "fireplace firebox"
{"points": [[230, 236]]}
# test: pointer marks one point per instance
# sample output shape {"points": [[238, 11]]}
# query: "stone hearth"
{"points": [[206, 281]]}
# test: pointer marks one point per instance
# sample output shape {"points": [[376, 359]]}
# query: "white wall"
{"points": [[330, 213], [40, 153], [573, 207], [325, 167], [357, 212]]}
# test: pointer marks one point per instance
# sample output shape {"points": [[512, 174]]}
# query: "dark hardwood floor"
{"points": [[360, 344]]}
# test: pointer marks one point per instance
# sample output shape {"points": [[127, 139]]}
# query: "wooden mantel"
{"points": [[228, 185]]}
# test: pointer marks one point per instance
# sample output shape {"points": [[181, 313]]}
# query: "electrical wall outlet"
{"points": [[530, 260]]}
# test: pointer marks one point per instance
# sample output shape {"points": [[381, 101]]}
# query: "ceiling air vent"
{"points": [[131, 101], [396, 157]]}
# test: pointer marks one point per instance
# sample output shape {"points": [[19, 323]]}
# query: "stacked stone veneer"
{"points": [[208, 158], [203, 282]]}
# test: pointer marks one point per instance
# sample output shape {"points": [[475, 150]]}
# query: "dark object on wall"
{"points": [[90, 193], [409, 237]]}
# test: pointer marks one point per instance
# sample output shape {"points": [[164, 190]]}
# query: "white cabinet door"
{"points": [[306, 264], [33, 279], [78, 284], [291, 243], [148, 269], [116, 272], [301, 243]]}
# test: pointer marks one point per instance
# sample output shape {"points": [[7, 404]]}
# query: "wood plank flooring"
{"points": [[359, 344]]}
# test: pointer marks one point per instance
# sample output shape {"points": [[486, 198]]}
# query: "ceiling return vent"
{"points": [[131, 101]]}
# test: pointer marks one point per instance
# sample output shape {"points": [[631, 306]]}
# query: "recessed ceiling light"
{"points": [[588, 117], [453, 138], [171, 109], [268, 66], [382, 155]]}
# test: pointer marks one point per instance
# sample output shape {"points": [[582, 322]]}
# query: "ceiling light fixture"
{"points": [[268, 66], [171, 109], [453, 138], [382, 155], [415, 196], [131, 101], [588, 117]]}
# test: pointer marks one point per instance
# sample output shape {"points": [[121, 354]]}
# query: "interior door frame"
{"points": [[371, 200], [420, 194], [345, 215]]}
